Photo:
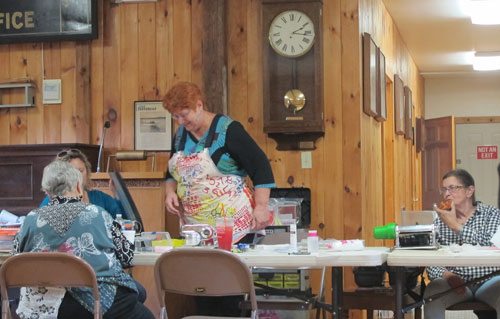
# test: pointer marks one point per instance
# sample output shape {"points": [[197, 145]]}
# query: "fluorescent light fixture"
{"points": [[484, 11], [486, 61]]}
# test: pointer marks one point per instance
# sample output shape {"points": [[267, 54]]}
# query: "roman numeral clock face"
{"points": [[291, 33]]}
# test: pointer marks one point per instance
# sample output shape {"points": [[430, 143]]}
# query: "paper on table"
{"points": [[496, 238], [345, 244], [9, 219]]}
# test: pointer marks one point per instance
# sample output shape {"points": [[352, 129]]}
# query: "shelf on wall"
{"points": [[29, 94]]}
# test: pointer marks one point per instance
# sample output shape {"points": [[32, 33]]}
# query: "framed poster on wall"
{"points": [[381, 88], [152, 126], [369, 75], [420, 134], [408, 114], [399, 105]]}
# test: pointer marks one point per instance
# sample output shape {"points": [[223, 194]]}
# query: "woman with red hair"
{"points": [[211, 157]]}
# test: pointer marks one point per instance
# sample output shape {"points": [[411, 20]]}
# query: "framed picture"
{"points": [[420, 134], [408, 113], [55, 20], [152, 126], [369, 75], [381, 88], [399, 105]]}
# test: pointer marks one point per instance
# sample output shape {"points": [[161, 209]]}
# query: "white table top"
{"points": [[444, 257], [268, 257]]}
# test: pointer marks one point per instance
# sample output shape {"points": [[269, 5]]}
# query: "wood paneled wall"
{"points": [[363, 174]]}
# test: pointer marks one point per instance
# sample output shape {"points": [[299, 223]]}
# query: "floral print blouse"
{"points": [[87, 231]]}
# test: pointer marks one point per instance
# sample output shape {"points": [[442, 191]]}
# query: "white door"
{"points": [[484, 170]]}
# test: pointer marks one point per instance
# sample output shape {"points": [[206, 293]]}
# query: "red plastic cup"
{"points": [[224, 229]]}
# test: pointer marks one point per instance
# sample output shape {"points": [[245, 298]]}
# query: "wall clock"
{"points": [[293, 79]]}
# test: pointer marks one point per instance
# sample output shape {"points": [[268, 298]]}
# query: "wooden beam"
{"points": [[214, 55]]}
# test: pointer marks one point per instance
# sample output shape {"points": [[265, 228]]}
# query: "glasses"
{"points": [[452, 189], [182, 114], [71, 152]]}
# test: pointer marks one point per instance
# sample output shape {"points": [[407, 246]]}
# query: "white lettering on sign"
{"points": [[487, 152]]}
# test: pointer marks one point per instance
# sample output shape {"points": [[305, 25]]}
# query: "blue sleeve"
{"points": [[44, 202], [111, 205]]}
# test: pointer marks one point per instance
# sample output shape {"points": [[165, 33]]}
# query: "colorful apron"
{"points": [[206, 193]]}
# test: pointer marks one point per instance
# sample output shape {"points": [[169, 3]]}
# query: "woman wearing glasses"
{"points": [[467, 222], [90, 196], [211, 157]]}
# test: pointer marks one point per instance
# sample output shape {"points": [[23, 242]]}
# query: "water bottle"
{"points": [[312, 241], [293, 238], [119, 220]]}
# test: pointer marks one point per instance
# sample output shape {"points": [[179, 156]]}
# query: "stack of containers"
{"points": [[7, 235]]}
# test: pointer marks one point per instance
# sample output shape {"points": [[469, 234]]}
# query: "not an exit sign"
{"points": [[486, 152]]}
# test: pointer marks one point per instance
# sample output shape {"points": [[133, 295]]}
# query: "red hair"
{"points": [[182, 95]]}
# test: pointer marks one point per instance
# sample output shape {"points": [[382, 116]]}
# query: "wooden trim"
{"points": [[477, 119]]}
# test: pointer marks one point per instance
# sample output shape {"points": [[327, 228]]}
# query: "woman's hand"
{"points": [[172, 203], [455, 282], [171, 198], [449, 217], [261, 217], [261, 214]]}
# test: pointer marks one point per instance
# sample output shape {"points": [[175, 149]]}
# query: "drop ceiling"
{"points": [[439, 35]]}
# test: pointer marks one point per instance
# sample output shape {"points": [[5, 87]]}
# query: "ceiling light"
{"points": [[484, 11], [486, 61]]}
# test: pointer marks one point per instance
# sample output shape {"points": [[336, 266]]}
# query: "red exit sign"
{"points": [[487, 152]]}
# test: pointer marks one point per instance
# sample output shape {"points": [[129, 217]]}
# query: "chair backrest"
{"points": [[203, 272], [47, 269]]}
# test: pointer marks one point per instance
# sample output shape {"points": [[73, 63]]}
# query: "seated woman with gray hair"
{"points": [[87, 231]]}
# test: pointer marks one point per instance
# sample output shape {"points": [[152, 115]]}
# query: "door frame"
{"points": [[477, 120]]}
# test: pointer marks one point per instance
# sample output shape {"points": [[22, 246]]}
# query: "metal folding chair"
{"points": [[203, 272], [46, 269]]}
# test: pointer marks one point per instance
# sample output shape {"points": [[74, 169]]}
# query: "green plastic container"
{"points": [[387, 231]]}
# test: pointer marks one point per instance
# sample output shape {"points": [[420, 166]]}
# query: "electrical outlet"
{"points": [[306, 159]]}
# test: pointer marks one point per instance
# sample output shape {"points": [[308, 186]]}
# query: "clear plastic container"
{"points": [[312, 241]]}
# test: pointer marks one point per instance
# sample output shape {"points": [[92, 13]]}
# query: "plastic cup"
{"points": [[224, 229], [130, 235]]}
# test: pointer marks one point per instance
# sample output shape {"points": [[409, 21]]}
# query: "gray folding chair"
{"points": [[203, 272], [46, 269]]}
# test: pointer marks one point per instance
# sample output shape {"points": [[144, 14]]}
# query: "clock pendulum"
{"points": [[294, 99]]}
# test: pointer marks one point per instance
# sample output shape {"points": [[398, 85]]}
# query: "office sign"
{"points": [[35, 20], [487, 152]]}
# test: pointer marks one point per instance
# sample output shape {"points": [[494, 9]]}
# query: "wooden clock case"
{"points": [[300, 130]]}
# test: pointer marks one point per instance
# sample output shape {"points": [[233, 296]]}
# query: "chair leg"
{"points": [[5, 309], [418, 313], [163, 313]]}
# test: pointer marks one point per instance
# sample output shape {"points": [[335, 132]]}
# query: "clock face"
{"points": [[291, 33]]}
